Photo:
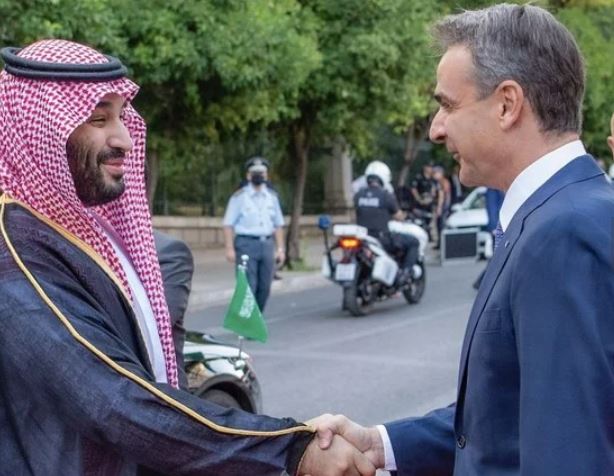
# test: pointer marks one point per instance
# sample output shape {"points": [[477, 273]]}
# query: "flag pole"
{"points": [[243, 266], [243, 315], [241, 339]]}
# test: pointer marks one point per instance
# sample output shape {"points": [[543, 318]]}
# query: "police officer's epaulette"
{"points": [[238, 192]]}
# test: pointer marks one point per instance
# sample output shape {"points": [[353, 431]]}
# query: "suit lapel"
{"points": [[494, 268], [582, 168]]}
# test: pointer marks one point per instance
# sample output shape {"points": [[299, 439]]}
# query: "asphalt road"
{"points": [[399, 361]]}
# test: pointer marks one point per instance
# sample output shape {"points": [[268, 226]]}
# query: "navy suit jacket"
{"points": [[536, 379]]}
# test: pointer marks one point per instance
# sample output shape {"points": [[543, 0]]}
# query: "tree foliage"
{"points": [[372, 67], [593, 28], [375, 60], [210, 71], [225, 79]]}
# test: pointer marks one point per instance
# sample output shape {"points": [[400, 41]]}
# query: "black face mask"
{"points": [[257, 179]]}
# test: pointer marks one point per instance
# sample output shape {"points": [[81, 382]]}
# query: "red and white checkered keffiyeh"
{"points": [[36, 119]]}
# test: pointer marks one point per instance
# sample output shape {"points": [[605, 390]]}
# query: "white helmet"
{"points": [[380, 170]]}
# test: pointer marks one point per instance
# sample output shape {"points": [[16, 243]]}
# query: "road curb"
{"points": [[202, 299]]}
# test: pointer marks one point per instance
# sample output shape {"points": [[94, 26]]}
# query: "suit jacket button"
{"points": [[461, 441]]}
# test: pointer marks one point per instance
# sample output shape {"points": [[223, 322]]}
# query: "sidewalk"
{"points": [[214, 278]]}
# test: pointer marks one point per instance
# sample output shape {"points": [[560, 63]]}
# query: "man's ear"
{"points": [[611, 144], [510, 97]]}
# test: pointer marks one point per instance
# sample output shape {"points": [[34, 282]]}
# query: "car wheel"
{"points": [[221, 398]]}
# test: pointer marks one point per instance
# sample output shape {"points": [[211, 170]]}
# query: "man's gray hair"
{"points": [[526, 44]]}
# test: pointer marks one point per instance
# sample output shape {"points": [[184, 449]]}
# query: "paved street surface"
{"points": [[399, 361]]}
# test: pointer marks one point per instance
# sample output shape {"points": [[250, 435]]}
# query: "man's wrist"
{"points": [[384, 452], [296, 452]]}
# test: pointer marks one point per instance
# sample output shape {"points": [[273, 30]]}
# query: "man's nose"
{"points": [[120, 139], [437, 132]]}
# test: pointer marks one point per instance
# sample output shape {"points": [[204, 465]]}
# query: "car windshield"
{"points": [[478, 202], [475, 200]]}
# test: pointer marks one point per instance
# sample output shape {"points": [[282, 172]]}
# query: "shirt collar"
{"points": [[534, 176], [253, 192]]}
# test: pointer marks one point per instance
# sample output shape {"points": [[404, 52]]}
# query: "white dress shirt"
{"points": [[141, 306], [523, 186], [254, 212], [534, 176]]}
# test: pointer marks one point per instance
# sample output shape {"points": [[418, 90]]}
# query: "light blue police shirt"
{"points": [[254, 212]]}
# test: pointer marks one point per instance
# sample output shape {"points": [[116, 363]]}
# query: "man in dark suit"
{"points": [[177, 266], [458, 193], [536, 378]]}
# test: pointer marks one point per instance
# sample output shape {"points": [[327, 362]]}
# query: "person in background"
{"points": [[444, 200], [424, 188], [458, 191], [424, 191], [361, 182], [253, 226], [177, 267], [375, 207], [494, 200], [278, 264]]}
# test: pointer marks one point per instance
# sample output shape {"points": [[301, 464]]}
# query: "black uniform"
{"points": [[427, 190], [375, 207]]}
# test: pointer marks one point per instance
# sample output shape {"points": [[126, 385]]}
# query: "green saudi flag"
{"points": [[243, 315]]}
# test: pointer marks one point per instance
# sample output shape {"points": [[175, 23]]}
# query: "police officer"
{"points": [[361, 182], [424, 188], [375, 207], [253, 226], [424, 191]]}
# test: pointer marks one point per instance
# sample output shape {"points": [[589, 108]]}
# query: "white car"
{"points": [[471, 213]]}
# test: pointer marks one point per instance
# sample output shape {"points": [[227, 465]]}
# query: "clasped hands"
{"points": [[342, 448]]}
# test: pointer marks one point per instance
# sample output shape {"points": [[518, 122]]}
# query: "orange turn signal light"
{"points": [[349, 243]]}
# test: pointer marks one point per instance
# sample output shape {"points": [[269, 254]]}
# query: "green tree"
{"points": [[210, 71], [593, 27], [371, 51], [87, 21], [222, 80]]}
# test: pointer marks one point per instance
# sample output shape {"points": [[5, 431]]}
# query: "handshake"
{"points": [[342, 448]]}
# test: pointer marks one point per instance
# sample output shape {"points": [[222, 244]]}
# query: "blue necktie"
{"points": [[498, 234]]}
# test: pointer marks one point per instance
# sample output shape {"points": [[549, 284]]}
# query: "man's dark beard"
{"points": [[88, 177]]}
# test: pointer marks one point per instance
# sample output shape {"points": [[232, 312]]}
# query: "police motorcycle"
{"points": [[367, 273]]}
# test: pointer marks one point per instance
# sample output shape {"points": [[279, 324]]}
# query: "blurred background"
{"points": [[318, 87]]}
